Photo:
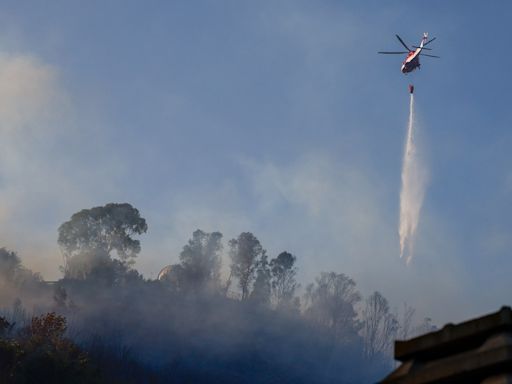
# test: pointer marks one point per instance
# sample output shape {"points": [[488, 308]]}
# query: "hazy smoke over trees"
{"points": [[104, 320]]}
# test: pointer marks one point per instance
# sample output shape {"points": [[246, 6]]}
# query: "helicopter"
{"points": [[412, 61]]}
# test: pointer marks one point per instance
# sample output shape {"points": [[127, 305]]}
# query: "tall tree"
{"points": [[330, 302], [200, 260], [245, 252], [380, 327], [283, 272], [12, 272], [10, 265], [262, 289], [91, 235]]}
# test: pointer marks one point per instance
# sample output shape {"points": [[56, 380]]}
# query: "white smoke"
{"points": [[414, 180]]}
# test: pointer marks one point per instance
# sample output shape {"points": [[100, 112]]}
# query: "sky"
{"points": [[274, 117]]}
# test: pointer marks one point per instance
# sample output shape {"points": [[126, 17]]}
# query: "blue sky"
{"points": [[276, 117]]}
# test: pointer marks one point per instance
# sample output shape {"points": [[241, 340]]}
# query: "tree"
{"points": [[200, 260], [283, 272], [48, 356], [12, 272], [40, 353], [330, 302], [245, 252], [86, 264], [261, 290], [10, 266], [379, 326], [406, 322], [91, 235]]}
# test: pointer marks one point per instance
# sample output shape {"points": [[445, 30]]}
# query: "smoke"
{"points": [[414, 178], [135, 329]]}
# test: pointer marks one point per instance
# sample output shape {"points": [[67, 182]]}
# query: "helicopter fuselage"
{"points": [[412, 61]]}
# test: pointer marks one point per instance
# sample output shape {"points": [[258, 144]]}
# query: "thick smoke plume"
{"points": [[414, 178]]}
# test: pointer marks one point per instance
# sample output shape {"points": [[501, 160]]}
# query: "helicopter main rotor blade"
{"points": [[401, 41], [428, 42], [427, 49], [424, 54], [392, 53]]}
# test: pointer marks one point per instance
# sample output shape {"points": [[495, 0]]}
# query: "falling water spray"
{"points": [[413, 188]]}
